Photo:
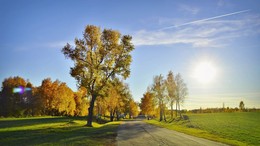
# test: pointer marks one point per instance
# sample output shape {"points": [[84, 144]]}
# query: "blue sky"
{"points": [[168, 35]]}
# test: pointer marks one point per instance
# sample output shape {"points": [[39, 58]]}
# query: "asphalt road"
{"points": [[138, 133]]}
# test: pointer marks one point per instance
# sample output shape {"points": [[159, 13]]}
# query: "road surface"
{"points": [[138, 133]]}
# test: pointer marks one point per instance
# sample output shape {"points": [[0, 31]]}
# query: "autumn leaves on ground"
{"points": [[53, 114]]}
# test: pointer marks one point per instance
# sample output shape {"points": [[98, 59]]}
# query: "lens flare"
{"points": [[21, 90]]}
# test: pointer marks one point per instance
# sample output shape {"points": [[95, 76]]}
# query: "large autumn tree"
{"points": [[99, 57]]}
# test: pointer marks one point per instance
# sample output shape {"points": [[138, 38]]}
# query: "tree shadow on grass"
{"points": [[67, 134], [18, 122]]}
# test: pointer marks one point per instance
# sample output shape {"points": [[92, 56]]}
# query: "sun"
{"points": [[205, 72]]}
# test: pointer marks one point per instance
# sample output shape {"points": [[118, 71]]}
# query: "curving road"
{"points": [[138, 133]]}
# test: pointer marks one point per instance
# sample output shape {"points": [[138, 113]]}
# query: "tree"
{"points": [[37, 102], [101, 107], [13, 97], [126, 98], [112, 101], [63, 100], [81, 101], [99, 57], [171, 89], [147, 104], [133, 106], [27, 105], [159, 91], [241, 105], [56, 98], [125, 101], [117, 97], [181, 92], [45, 96]]}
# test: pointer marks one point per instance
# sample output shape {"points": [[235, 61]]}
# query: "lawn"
{"points": [[241, 128], [55, 131]]}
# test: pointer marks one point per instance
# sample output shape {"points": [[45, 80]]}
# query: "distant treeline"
{"points": [[215, 110], [19, 98], [218, 110]]}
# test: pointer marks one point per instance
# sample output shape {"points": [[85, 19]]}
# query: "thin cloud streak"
{"points": [[208, 34], [206, 19]]}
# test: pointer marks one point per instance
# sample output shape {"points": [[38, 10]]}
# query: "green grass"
{"points": [[55, 131], [229, 128]]}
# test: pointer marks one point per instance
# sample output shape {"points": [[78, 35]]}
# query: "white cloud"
{"points": [[211, 33], [184, 36]]}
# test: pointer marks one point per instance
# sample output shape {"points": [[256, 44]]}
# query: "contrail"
{"points": [[206, 19]]}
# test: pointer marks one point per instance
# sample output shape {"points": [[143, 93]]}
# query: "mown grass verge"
{"points": [[55, 131], [229, 128]]}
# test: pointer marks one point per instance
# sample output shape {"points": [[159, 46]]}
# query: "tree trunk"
{"points": [[114, 112], [90, 111], [176, 114], [111, 115], [171, 109], [164, 116], [161, 112], [117, 115], [161, 118], [99, 110], [179, 110]]}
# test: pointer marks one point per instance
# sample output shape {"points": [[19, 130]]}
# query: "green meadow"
{"points": [[240, 128], [55, 131]]}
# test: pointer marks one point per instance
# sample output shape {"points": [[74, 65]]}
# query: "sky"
{"points": [[168, 35]]}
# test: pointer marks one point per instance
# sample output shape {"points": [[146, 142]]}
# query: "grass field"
{"points": [[55, 131], [231, 128]]}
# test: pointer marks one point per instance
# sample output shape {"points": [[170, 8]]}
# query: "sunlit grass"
{"points": [[230, 128], [55, 131]]}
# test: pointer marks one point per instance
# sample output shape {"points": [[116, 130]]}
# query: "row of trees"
{"points": [[19, 97], [164, 93]]}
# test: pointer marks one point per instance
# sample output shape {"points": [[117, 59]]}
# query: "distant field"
{"points": [[55, 131], [231, 128]]}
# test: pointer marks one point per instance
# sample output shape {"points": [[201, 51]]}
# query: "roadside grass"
{"points": [[55, 131], [230, 128]]}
